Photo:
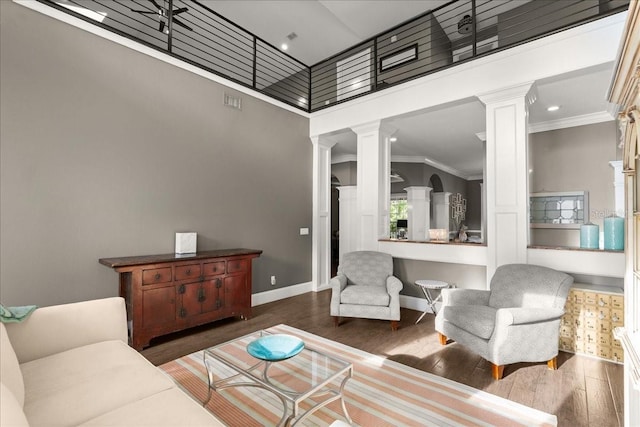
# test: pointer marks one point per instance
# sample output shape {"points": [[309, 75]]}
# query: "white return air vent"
{"points": [[483, 46], [233, 101]]}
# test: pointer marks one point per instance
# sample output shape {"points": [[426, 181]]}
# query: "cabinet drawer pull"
{"points": [[157, 276], [188, 272]]}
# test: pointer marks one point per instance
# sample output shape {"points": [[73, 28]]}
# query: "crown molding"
{"points": [[568, 122]]}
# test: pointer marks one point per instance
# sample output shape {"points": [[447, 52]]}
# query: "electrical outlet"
{"points": [[273, 280]]}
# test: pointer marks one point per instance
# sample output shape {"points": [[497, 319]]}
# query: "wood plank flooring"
{"points": [[582, 392]]}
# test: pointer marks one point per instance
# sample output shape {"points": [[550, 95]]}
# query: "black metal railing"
{"points": [[453, 33]]}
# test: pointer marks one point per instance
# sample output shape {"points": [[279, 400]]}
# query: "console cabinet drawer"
{"points": [[214, 268], [236, 265], [156, 275], [188, 272]]}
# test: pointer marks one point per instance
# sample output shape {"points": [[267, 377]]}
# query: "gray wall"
{"points": [[107, 152], [461, 275], [574, 159]]}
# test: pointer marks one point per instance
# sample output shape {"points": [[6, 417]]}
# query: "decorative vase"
{"points": [[614, 233], [589, 236]]}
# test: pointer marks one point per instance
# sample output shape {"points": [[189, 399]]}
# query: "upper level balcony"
{"points": [[456, 32]]}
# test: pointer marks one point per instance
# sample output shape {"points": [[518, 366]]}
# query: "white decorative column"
{"points": [[418, 212], [618, 187], [348, 238], [507, 174], [374, 186], [321, 222], [441, 211]]}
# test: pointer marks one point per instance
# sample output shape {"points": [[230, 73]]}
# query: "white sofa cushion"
{"points": [[167, 408], [11, 413], [9, 368], [74, 386]]}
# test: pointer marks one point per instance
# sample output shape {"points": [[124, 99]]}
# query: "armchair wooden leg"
{"points": [[394, 325], [497, 371], [553, 364], [336, 321], [442, 339]]}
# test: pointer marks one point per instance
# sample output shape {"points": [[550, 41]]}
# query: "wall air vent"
{"points": [[233, 101]]}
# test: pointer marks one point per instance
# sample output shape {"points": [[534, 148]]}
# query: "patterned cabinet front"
{"points": [[591, 313], [169, 293]]}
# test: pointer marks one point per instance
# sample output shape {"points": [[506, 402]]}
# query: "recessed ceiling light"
{"points": [[393, 139], [553, 108], [284, 46]]}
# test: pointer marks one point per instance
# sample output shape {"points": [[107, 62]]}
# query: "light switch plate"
{"points": [[304, 231]]}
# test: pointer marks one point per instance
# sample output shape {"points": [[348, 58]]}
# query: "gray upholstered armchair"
{"points": [[365, 287], [517, 320]]}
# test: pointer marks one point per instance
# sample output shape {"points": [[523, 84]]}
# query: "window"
{"points": [[397, 210], [566, 209]]}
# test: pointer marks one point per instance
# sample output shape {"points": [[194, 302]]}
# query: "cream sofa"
{"points": [[70, 365]]}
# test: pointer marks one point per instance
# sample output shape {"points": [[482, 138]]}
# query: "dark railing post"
{"points": [[170, 26], [474, 26], [374, 86], [255, 62]]}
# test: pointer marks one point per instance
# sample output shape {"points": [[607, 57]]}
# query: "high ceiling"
{"points": [[327, 27]]}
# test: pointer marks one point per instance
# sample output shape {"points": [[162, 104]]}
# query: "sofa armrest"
{"points": [[51, 330], [524, 315], [458, 296]]}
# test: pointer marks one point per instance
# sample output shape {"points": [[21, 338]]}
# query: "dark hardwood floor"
{"points": [[582, 392]]}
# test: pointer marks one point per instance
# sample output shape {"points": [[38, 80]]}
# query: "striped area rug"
{"points": [[381, 393]]}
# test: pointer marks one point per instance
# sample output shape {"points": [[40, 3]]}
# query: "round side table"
{"points": [[426, 286]]}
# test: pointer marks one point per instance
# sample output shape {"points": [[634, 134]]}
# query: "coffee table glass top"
{"points": [[297, 375]]}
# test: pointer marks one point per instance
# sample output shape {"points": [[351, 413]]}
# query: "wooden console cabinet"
{"points": [[169, 293]]}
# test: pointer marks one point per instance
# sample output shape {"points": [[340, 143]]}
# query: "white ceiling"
{"points": [[327, 27]]}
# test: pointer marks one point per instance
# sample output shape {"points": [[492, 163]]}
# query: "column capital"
{"points": [[374, 126], [322, 141], [513, 92]]}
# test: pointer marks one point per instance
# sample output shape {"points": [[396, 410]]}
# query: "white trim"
{"points": [[593, 262], [343, 158], [415, 303], [139, 47], [469, 254], [568, 122], [280, 293]]}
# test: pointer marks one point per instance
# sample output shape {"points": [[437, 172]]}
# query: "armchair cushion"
{"points": [[478, 320], [365, 295]]}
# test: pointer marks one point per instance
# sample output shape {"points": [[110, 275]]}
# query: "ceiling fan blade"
{"points": [[178, 11], [177, 21], [146, 12], [161, 28], [156, 5]]}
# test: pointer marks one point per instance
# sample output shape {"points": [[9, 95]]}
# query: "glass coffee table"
{"points": [[309, 374]]}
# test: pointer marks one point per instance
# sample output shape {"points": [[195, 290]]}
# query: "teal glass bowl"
{"points": [[275, 347]]}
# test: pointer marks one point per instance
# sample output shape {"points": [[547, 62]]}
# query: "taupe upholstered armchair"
{"points": [[365, 287], [517, 320]]}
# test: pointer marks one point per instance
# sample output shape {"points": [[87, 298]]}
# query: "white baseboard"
{"points": [[412, 303], [280, 293]]}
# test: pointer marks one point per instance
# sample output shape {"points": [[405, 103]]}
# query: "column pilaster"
{"points": [[507, 194], [321, 221]]}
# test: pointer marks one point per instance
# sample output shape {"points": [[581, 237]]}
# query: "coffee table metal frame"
{"points": [[257, 375]]}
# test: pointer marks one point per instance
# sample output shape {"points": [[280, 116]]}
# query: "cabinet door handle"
{"points": [[183, 312], [201, 295], [218, 283], [181, 289]]}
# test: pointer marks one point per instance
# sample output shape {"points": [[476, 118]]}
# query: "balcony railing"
{"points": [[456, 32]]}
